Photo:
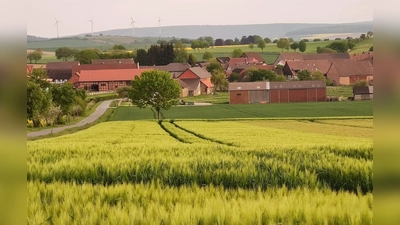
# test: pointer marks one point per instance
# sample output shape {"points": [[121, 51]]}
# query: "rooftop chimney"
{"points": [[137, 65]]}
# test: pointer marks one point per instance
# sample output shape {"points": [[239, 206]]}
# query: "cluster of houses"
{"points": [[110, 74], [340, 68]]}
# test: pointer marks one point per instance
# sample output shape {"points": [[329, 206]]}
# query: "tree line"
{"points": [[161, 54], [49, 104]]}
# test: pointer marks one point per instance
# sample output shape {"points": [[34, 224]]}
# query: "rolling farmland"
{"points": [[204, 172]]}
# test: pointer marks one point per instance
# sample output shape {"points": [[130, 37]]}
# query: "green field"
{"points": [[363, 46], [223, 97], [226, 111], [198, 172]]}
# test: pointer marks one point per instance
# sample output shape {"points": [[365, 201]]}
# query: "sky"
{"points": [[116, 14]]}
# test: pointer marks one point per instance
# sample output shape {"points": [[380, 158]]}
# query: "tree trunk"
{"points": [[158, 113]]}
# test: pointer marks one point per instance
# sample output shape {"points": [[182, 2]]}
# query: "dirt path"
{"points": [[94, 116]]}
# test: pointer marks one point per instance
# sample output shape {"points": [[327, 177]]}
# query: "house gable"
{"points": [[188, 74]]}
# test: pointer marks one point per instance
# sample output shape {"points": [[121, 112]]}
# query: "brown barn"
{"points": [[277, 92]]}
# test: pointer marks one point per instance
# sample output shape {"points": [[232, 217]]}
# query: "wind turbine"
{"points": [[57, 21], [133, 27], [91, 21], [159, 25]]}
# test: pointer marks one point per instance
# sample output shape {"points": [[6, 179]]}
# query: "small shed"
{"points": [[363, 93]]}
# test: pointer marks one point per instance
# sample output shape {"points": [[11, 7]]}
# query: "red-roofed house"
{"points": [[199, 81], [340, 71], [29, 69], [254, 55], [291, 68], [78, 68], [185, 88], [105, 79], [348, 72]]}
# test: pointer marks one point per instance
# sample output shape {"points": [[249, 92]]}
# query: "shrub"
{"points": [[361, 83]]}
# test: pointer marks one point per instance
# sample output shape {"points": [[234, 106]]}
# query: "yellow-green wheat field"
{"points": [[204, 172]]}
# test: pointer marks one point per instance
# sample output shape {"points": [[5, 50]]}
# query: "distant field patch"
{"points": [[226, 111]]}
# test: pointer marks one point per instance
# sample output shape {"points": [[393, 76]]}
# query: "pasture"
{"points": [[227, 111], [204, 172]]}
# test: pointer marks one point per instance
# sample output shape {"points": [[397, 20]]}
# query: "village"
{"points": [[107, 75]]}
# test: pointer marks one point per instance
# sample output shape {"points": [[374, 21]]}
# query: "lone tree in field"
{"points": [[283, 43], [302, 46], [261, 44], [251, 45], [294, 46], [155, 88]]}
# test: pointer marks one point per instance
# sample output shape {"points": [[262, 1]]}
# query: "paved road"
{"points": [[94, 116]]}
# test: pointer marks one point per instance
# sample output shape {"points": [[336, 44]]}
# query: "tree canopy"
{"points": [[267, 40], [294, 45], [65, 53], [237, 53], [192, 60], [214, 66], [254, 74], [86, 56], [180, 52], [339, 46], [302, 46], [155, 88], [261, 44], [118, 47], [325, 50], [219, 81], [35, 56], [283, 43], [207, 56], [251, 45]]}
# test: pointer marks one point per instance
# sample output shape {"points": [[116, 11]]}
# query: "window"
{"points": [[190, 93], [239, 94], [103, 85]]}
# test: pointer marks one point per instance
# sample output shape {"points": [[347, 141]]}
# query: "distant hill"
{"points": [[34, 38], [362, 27], [295, 30], [144, 37]]}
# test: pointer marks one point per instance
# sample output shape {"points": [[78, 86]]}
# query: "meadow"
{"points": [[204, 172], [228, 111]]}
